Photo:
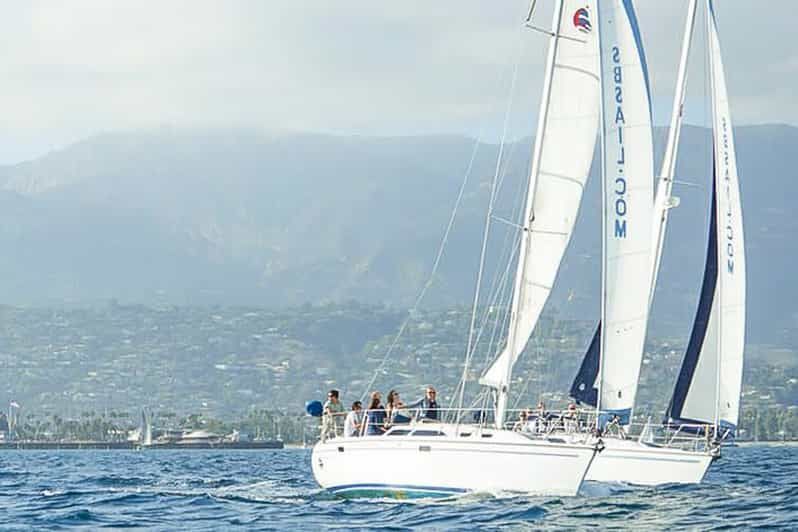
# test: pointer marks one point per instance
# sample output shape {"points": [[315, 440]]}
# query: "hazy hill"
{"points": [[239, 217]]}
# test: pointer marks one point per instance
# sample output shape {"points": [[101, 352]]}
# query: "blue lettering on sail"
{"points": [[621, 205], [729, 233]]}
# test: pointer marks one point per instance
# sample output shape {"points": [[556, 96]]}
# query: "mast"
{"points": [[663, 201], [719, 291], [503, 392], [603, 163]]}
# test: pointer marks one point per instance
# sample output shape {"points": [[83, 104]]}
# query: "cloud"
{"points": [[353, 66]]}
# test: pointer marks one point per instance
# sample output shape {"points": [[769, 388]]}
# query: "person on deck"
{"points": [[520, 425], [571, 419], [395, 409], [354, 420], [541, 421], [331, 421], [375, 416], [427, 404]]}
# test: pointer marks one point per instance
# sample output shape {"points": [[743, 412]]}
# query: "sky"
{"points": [[69, 70]]}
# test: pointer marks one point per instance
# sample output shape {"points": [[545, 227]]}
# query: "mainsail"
{"points": [[609, 373], [709, 383], [563, 152]]}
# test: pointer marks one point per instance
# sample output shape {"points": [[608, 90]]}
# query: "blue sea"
{"points": [[751, 486]]}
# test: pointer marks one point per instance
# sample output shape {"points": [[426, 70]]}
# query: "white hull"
{"points": [[472, 461], [631, 462]]}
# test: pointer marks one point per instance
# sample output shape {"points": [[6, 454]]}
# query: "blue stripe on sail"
{"points": [[700, 325], [583, 388], [632, 16]]}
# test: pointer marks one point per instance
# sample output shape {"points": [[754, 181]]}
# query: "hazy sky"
{"points": [[70, 69]]}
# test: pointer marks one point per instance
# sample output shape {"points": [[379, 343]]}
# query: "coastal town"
{"points": [[88, 373]]}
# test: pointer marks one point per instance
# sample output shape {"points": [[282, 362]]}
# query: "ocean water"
{"points": [[220, 490]]}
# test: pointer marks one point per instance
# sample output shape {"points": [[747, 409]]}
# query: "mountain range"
{"points": [[206, 217]]}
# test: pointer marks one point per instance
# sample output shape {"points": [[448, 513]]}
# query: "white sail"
{"points": [[563, 152], [710, 380], [627, 177], [731, 248]]}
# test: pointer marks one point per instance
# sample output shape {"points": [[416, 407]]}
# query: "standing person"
{"points": [[333, 410], [354, 420], [375, 416], [427, 404]]}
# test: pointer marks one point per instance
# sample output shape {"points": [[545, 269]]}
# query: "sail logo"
{"points": [[620, 189], [729, 229], [582, 20]]}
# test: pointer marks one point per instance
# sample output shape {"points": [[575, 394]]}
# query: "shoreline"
{"points": [[132, 446]]}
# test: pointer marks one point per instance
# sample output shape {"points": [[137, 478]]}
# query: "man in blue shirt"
{"points": [[428, 405]]}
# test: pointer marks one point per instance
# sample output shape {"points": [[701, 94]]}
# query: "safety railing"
{"points": [[378, 422], [537, 423]]}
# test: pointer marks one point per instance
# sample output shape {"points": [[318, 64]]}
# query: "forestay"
{"points": [[563, 152], [710, 379]]}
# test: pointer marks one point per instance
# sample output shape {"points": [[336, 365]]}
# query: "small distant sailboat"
{"points": [[142, 436], [705, 404], [426, 458]]}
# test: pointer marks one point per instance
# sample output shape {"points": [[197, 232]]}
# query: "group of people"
{"points": [[540, 421], [377, 418]]}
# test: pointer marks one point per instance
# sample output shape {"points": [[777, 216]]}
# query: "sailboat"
{"points": [[429, 458], [710, 380], [705, 403]]}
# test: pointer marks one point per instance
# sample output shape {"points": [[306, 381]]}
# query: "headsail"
{"points": [[628, 171], [563, 152], [610, 371], [710, 379]]}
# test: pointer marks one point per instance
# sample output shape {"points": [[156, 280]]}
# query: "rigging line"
{"points": [[498, 294], [515, 214], [441, 248], [486, 231], [505, 276], [495, 299], [501, 294], [483, 324], [435, 264], [500, 283], [500, 286], [501, 280]]}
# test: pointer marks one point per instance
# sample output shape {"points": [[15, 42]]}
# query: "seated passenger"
{"points": [[395, 409], [520, 425], [375, 416], [571, 418], [541, 410], [428, 405], [542, 417], [354, 421]]}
